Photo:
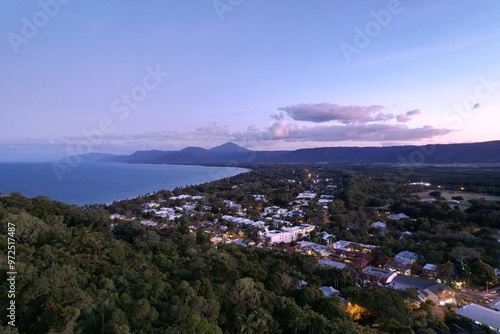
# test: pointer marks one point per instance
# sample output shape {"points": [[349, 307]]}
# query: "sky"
{"points": [[120, 76]]}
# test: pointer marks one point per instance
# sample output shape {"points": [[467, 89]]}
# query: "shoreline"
{"points": [[98, 183]]}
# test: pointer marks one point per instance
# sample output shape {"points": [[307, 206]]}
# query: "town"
{"points": [[379, 232]]}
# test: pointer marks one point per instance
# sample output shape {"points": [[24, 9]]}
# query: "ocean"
{"points": [[103, 183]]}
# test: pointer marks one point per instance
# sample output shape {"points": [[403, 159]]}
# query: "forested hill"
{"points": [[485, 152], [78, 274]]}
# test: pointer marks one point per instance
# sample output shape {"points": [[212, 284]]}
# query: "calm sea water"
{"points": [[91, 183]]}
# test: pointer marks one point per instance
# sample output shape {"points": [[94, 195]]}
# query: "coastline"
{"points": [[102, 183]]}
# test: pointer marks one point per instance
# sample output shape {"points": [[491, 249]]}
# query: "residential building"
{"points": [[260, 198], [398, 266], [310, 247], [334, 264], [351, 252], [397, 216], [406, 256], [379, 275], [306, 195], [430, 270], [427, 290], [149, 223], [288, 234], [378, 224], [244, 221], [481, 315], [328, 291]]}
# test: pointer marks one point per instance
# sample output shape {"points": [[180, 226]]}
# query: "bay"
{"points": [[103, 183]]}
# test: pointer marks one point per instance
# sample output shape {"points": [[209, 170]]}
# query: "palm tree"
{"points": [[255, 322], [69, 244]]}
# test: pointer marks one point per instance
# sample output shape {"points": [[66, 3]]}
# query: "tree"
{"points": [[256, 322], [482, 274], [436, 194], [245, 292], [463, 254]]}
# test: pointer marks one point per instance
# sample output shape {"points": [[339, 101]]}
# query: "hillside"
{"points": [[485, 152]]}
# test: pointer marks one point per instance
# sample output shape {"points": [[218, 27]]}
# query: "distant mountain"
{"points": [[138, 157], [229, 148], [230, 153]]}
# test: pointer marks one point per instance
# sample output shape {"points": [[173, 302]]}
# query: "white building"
{"points": [[183, 196], [406, 257], [288, 234], [167, 213], [260, 198], [149, 223], [349, 246], [397, 216], [274, 210], [379, 224], [421, 183], [244, 221], [306, 195], [328, 291]]}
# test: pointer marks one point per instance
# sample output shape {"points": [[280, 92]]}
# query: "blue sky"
{"points": [[120, 76]]}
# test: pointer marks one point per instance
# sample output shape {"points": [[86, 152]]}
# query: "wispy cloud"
{"points": [[353, 132], [408, 116]]}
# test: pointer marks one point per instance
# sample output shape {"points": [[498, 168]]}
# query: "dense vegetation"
{"points": [[76, 275], [80, 272]]}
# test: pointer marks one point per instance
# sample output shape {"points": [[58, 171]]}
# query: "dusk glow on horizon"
{"points": [[117, 77]]}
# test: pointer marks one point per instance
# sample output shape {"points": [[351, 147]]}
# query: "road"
{"points": [[478, 297]]}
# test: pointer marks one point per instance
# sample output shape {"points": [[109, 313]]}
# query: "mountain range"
{"points": [[230, 153]]}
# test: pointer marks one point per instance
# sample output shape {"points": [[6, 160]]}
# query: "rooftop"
{"points": [[328, 291], [335, 264], [407, 255], [481, 314], [397, 216], [348, 245], [495, 305], [431, 267], [378, 272], [415, 282]]}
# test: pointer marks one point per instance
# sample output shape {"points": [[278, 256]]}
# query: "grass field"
{"points": [[466, 196]]}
